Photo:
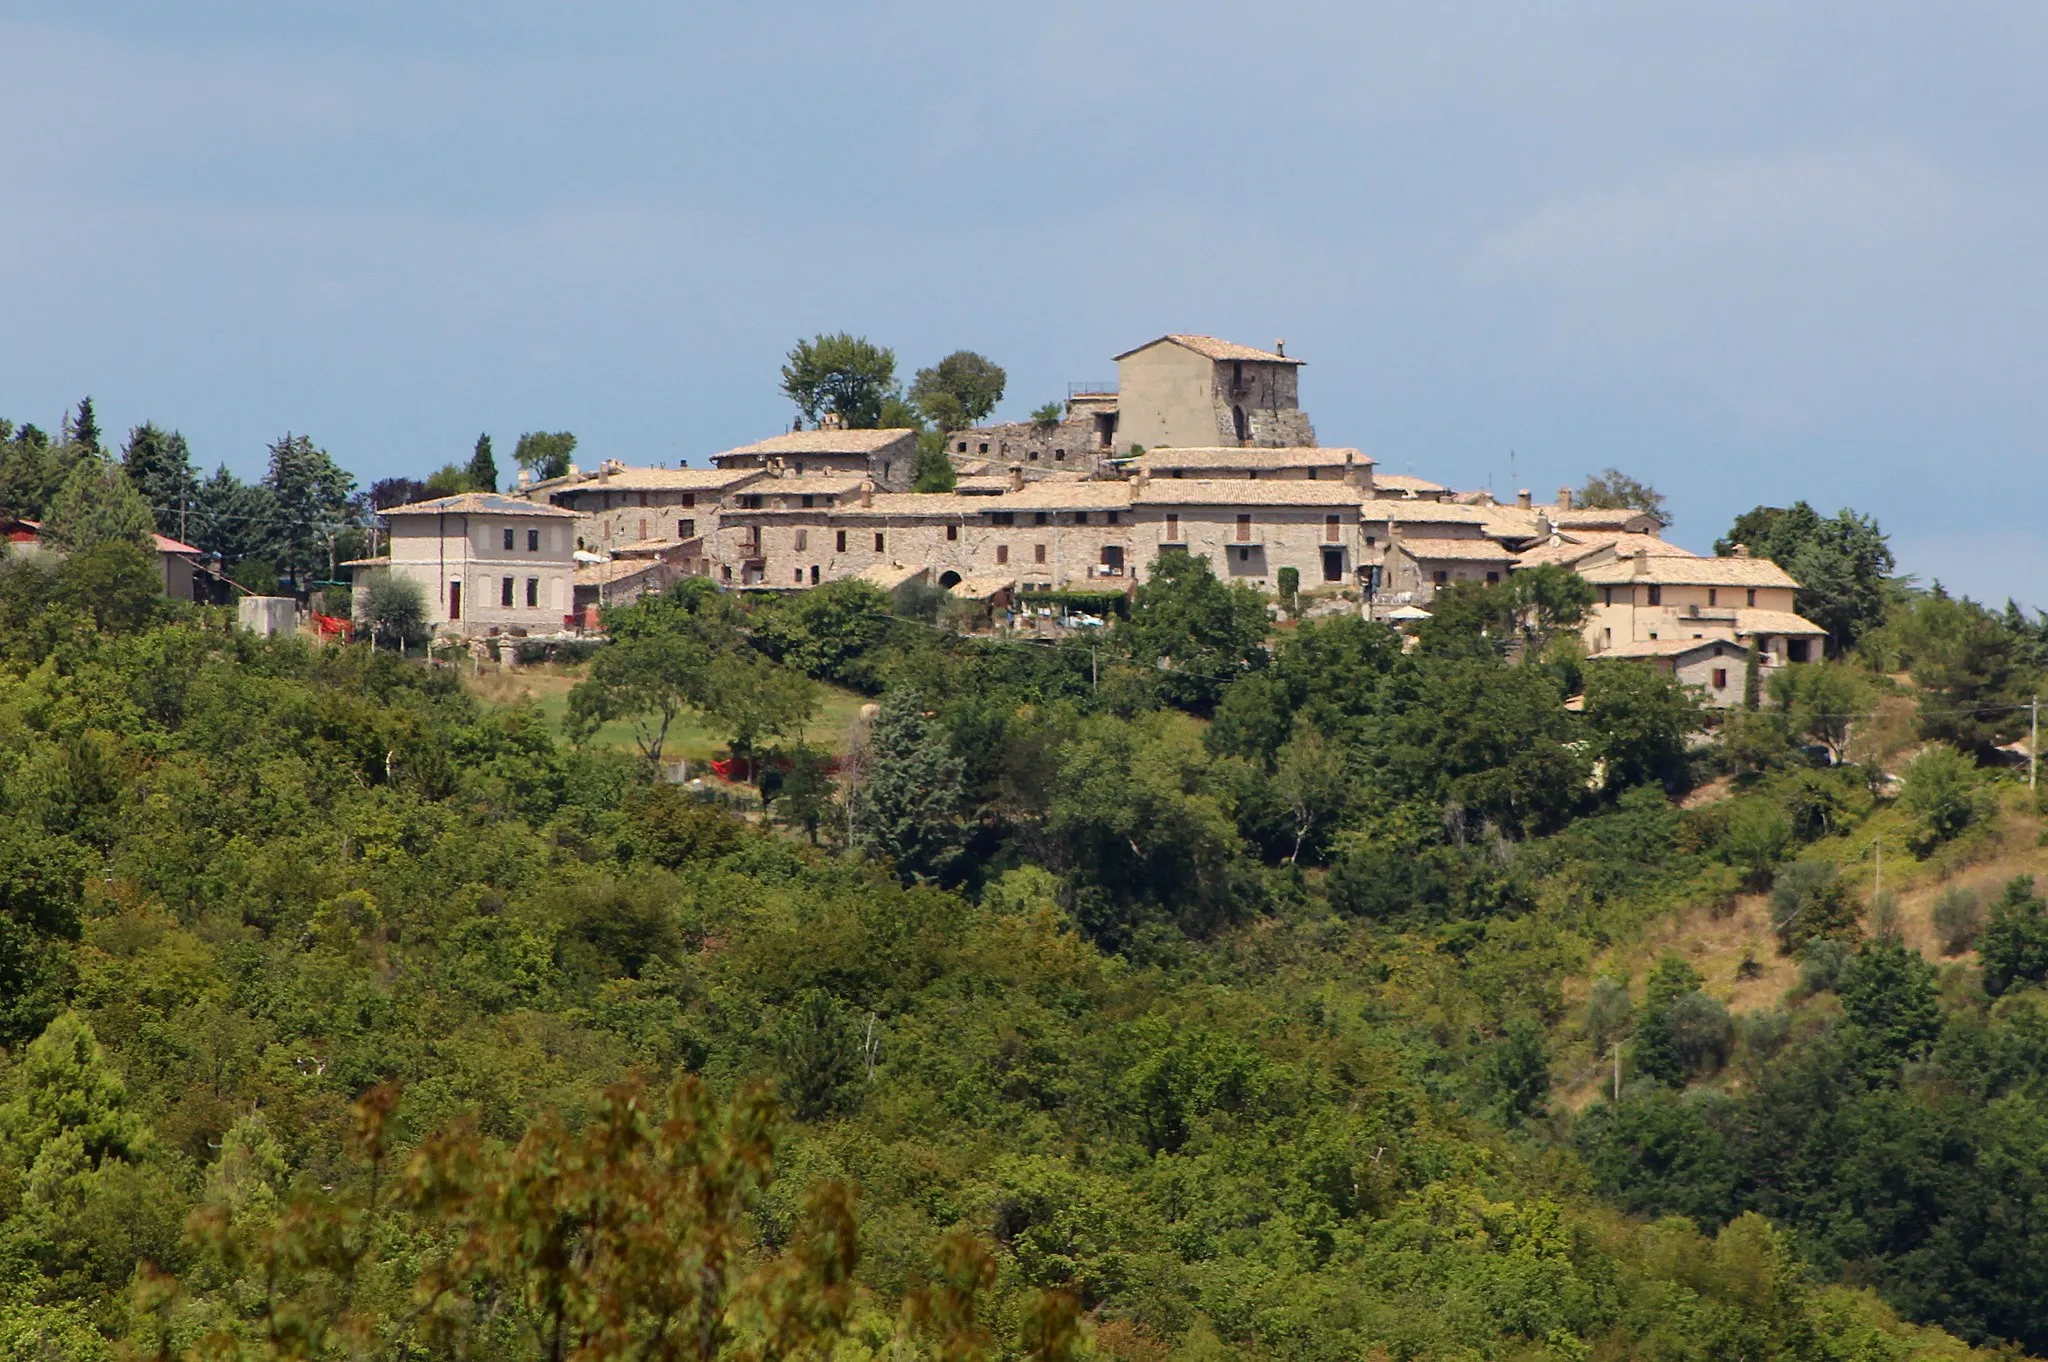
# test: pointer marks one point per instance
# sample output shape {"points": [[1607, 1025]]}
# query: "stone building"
{"points": [[1714, 667], [1077, 444], [487, 563], [888, 458], [1199, 392], [1250, 529], [1654, 598], [647, 505]]}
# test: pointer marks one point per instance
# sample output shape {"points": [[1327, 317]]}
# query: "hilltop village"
{"points": [[1202, 448]]}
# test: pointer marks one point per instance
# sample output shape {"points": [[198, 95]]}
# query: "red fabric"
{"points": [[331, 626]]}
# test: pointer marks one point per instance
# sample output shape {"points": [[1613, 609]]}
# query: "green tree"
{"points": [[1891, 993], [1611, 489], [646, 679], [1941, 788], [1640, 719], [545, 454], [483, 466], [1194, 631], [32, 470], [935, 471], [1970, 670], [65, 1085], [1808, 902], [837, 632], [1517, 1069], [818, 1056], [960, 390], [232, 517], [750, 699], [308, 508], [1309, 777], [2014, 946], [1820, 700], [911, 809], [1049, 414], [1843, 565], [99, 505], [160, 465], [845, 375], [448, 480], [1678, 1037], [114, 583]]}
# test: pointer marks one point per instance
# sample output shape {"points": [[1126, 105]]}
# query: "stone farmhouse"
{"points": [[1189, 391], [488, 563], [663, 507]]}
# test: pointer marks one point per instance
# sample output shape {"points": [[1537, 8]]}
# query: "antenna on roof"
{"points": [[1280, 347]]}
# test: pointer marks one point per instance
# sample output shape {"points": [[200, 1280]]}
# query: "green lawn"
{"points": [[689, 737]]}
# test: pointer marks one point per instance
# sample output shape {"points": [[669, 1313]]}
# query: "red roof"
{"points": [[166, 544]]}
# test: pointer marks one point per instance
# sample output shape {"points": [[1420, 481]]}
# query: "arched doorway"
{"points": [[1243, 426], [949, 580]]}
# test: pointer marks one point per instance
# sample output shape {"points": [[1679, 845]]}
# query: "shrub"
{"points": [[2014, 944], [1701, 1033], [1958, 918], [393, 610], [1290, 590], [1609, 1013], [1763, 1034], [1758, 831], [1821, 965]]}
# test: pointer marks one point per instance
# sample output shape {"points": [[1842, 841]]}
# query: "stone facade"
{"points": [[888, 458], [1072, 445], [1187, 391], [1648, 599], [637, 505], [1250, 530]]}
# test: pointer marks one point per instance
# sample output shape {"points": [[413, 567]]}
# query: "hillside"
{"points": [[1238, 1007]]}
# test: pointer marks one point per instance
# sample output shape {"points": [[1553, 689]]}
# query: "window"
{"points": [[1114, 518], [1002, 517], [1059, 455], [1038, 553], [1713, 597], [533, 541], [1176, 472], [799, 467], [1080, 517], [686, 529], [1039, 517], [643, 527], [1172, 527], [1033, 456], [952, 533], [1332, 528], [878, 541], [814, 574], [504, 591], [508, 539], [689, 498], [885, 470], [1244, 527], [726, 571], [1493, 579], [840, 545], [1441, 576], [1607, 595], [983, 449], [1244, 555], [1251, 475], [1752, 595], [1002, 553], [803, 540], [533, 593], [799, 579], [1656, 595], [1371, 540], [1796, 650], [963, 446], [1720, 678], [807, 503]]}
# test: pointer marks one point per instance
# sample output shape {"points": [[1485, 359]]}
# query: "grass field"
{"points": [[548, 688]]}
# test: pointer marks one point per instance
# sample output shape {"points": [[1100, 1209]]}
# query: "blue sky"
{"points": [[1749, 253]]}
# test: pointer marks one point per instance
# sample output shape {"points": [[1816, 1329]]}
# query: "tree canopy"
{"points": [[845, 375]]}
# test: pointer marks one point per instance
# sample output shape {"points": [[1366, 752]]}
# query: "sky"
{"points": [[1748, 253]]}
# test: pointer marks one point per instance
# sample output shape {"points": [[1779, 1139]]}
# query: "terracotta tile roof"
{"points": [[481, 503], [889, 576], [1209, 347], [981, 588], [820, 442], [166, 544], [1290, 456], [1594, 518], [1570, 550], [1668, 647], [618, 570], [1405, 482], [1404, 512], [657, 480], [1774, 622], [1672, 570], [641, 548], [1452, 550], [1244, 492]]}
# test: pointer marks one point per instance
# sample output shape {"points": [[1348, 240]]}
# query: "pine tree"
{"points": [[160, 465], [309, 507], [483, 466], [98, 505], [911, 808], [85, 427], [65, 1085]]}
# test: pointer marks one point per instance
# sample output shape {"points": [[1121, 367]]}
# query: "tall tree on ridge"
{"points": [[309, 507], [846, 375], [160, 465], [483, 466]]}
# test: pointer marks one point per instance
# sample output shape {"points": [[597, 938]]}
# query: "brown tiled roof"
{"points": [[1288, 456], [1594, 517], [1453, 550], [480, 503], [1209, 347], [820, 442], [1671, 570], [889, 576], [618, 570], [1404, 512], [1575, 548], [1244, 492], [1666, 647], [1749, 621]]}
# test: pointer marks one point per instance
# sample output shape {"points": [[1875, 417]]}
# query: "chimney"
{"points": [[1739, 551], [867, 492], [525, 478], [1356, 473], [1564, 498], [574, 471], [1642, 568], [1523, 500], [1544, 529], [1280, 347], [1144, 478], [1016, 477]]}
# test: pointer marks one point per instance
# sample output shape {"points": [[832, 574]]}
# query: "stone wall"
{"points": [[1072, 445]]}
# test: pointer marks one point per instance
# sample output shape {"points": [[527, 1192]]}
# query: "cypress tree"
{"points": [[483, 466], [911, 809]]}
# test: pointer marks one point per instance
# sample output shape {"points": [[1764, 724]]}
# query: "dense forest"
{"points": [[1218, 987]]}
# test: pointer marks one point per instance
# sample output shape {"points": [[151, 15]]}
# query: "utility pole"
{"points": [[2034, 743], [1617, 1073]]}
